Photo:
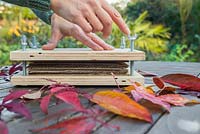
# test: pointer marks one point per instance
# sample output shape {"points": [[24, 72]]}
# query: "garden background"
{"points": [[168, 30]]}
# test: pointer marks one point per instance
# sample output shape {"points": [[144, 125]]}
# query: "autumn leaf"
{"points": [[70, 97], [121, 104], [176, 99], [140, 93], [3, 128], [33, 95], [146, 74], [77, 125], [18, 108], [131, 87], [159, 82], [15, 68], [45, 103], [184, 81], [15, 95]]}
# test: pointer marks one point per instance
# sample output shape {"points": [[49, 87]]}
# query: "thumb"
{"points": [[56, 36]]}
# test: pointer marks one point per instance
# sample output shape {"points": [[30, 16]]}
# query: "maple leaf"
{"points": [[14, 95], [140, 93], [184, 81], [18, 108], [121, 104], [176, 99], [45, 103], [3, 128], [70, 98]]}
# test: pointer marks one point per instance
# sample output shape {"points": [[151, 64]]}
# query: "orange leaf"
{"points": [[121, 104]]}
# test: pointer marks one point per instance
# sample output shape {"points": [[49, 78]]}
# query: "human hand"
{"points": [[62, 28], [90, 15]]}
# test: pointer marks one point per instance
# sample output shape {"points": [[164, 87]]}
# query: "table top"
{"points": [[181, 120]]}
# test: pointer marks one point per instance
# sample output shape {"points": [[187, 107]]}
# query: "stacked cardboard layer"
{"points": [[79, 68]]}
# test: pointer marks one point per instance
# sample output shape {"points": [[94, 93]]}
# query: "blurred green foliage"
{"points": [[167, 30]]}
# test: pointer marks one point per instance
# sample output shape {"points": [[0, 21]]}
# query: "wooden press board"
{"points": [[76, 80], [76, 55], [70, 54]]}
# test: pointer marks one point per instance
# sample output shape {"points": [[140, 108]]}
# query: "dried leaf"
{"points": [[147, 74], [70, 98], [176, 99], [33, 96], [3, 128], [45, 103], [121, 104], [184, 81], [140, 93], [18, 108], [159, 82], [15, 95], [77, 125]]}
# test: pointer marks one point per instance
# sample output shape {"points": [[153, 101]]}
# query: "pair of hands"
{"points": [[81, 19]]}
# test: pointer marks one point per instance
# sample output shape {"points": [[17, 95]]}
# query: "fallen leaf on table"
{"points": [[140, 93], [146, 74], [159, 82], [121, 104], [71, 98], [177, 100], [184, 81], [18, 108], [14, 68], [33, 95], [15, 95], [3, 128], [77, 125], [149, 89], [45, 103]]}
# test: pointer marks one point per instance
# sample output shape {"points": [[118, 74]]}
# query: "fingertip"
{"points": [[48, 47]]}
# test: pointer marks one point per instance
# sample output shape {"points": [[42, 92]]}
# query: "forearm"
{"points": [[43, 5]]}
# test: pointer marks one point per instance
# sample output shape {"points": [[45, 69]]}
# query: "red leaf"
{"points": [[15, 68], [159, 82], [80, 127], [15, 95], [45, 103], [70, 98], [3, 128], [184, 81], [140, 93], [56, 89], [19, 108], [2, 74], [77, 125], [176, 99], [146, 74]]}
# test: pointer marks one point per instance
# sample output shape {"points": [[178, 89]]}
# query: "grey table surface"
{"points": [[181, 120]]}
